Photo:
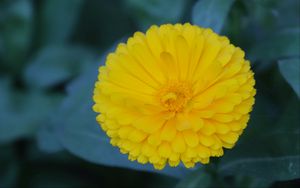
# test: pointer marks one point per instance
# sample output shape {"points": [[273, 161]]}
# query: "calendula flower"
{"points": [[178, 93]]}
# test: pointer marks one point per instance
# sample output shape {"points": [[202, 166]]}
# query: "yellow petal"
{"points": [[183, 122], [196, 54], [149, 124], [221, 106], [203, 151], [146, 59], [137, 136], [211, 49], [229, 138], [208, 128], [124, 131], [224, 118], [153, 40], [168, 65], [221, 128], [196, 121], [148, 150], [178, 144], [154, 139], [169, 131], [206, 140], [191, 138], [165, 150], [182, 52]]}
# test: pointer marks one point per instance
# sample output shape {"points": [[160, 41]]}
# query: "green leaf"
{"points": [[15, 32], [47, 138], [248, 182], [288, 13], [290, 69], [211, 13], [273, 168], [196, 179], [21, 113], [58, 19], [264, 151], [81, 135], [101, 23], [9, 170], [9, 174], [56, 64], [148, 12], [270, 15], [281, 44]]}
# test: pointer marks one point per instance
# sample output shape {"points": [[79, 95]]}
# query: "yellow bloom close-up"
{"points": [[178, 93]]}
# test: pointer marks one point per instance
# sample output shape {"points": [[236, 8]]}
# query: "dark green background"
{"points": [[50, 51]]}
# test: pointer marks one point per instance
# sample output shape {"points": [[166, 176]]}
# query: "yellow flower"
{"points": [[178, 93]]}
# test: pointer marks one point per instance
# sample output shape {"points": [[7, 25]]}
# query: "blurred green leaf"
{"points": [[197, 179], [22, 112], [211, 13], [280, 44], [290, 69], [16, 19], [47, 138], [51, 177], [250, 182], [101, 23], [9, 170], [287, 13], [58, 19], [273, 168], [56, 64], [8, 174], [265, 152], [149, 12], [82, 136], [254, 23], [263, 14], [270, 15]]}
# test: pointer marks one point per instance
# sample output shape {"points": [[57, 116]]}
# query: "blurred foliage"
{"points": [[211, 13], [49, 54], [145, 13], [290, 69]]}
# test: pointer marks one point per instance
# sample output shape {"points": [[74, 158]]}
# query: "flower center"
{"points": [[175, 96]]}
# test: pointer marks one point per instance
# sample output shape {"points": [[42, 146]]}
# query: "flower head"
{"points": [[178, 93]]}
